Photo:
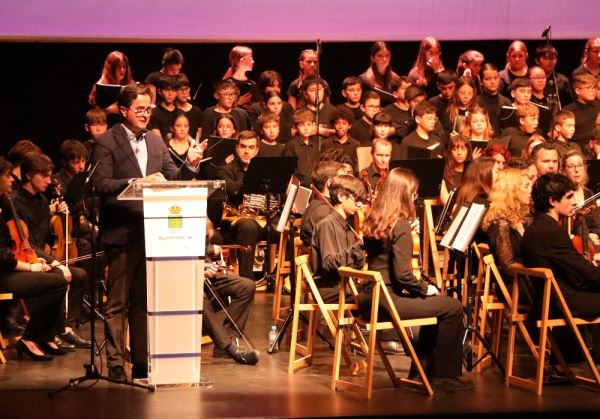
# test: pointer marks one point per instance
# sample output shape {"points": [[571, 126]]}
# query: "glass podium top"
{"points": [[135, 191]]}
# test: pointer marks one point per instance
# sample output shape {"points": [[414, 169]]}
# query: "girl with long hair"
{"points": [[516, 66], [459, 152], [463, 98], [427, 65], [116, 70], [388, 242], [477, 181], [380, 74]]}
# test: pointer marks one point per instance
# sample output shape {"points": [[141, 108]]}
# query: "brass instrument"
{"points": [[253, 206]]}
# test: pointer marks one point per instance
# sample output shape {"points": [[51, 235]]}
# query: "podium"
{"points": [[175, 234]]}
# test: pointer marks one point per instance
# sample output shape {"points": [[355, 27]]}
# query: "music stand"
{"points": [[219, 148], [268, 176], [430, 173], [458, 239]]}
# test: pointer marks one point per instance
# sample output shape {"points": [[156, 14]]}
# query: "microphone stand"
{"points": [[91, 370], [556, 99], [317, 101]]}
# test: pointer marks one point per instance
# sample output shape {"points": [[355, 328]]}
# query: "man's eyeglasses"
{"points": [[143, 111]]}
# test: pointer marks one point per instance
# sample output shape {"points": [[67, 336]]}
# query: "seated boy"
{"points": [[226, 93], [269, 128], [361, 130], [585, 107], [547, 244], [342, 120], [546, 58], [95, 125], [166, 110], [352, 92], [520, 91], [564, 128], [333, 243], [515, 139], [304, 145], [422, 138]]}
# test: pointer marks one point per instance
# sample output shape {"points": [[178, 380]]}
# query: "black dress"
{"points": [[441, 344]]}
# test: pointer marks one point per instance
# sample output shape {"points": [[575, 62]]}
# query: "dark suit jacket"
{"points": [[121, 222], [547, 245]]}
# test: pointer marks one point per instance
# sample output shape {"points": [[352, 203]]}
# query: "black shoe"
{"points": [[64, 345], [139, 370], [44, 346], [451, 385], [117, 373], [24, 349], [74, 339], [220, 353], [13, 325], [249, 357]]}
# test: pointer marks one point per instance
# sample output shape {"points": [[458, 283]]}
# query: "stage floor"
{"points": [[266, 390]]}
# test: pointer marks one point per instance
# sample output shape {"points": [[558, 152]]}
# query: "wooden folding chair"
{"points": [[3, 343], [283, 269], [545, 324], [355, 279], [430, 242], [488, 306], [309, 300]]}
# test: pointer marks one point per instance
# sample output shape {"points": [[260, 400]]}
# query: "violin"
{"points": [[20, 236], [61, 225]]}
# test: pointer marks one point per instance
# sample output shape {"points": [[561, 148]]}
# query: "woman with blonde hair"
{"points": [[508, 214], [388, 242]]}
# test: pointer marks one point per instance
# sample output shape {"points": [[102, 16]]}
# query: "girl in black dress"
{"points": [[388, 242]]}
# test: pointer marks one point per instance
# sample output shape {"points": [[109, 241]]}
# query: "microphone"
{"points": [[546, 31]]}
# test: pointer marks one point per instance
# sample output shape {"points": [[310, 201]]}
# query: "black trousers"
{"points": [[439, 344], [247, 232], [126, 301], [241, 291], [47, 289]]}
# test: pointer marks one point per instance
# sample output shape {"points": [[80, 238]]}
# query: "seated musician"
{"points": [[373, 176], [31, 280], [506, 218], [389, 245], [334, 243], [241, 291], [586, 225], [316, 210], [546, 244], [32, 207], [247, 227]]}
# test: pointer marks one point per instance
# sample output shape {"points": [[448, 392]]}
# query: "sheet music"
{"points": [[292, 190], [469, 227], [302, 199], [454, 226]]}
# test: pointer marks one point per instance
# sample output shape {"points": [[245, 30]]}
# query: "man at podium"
{"points": [[126, 152]]}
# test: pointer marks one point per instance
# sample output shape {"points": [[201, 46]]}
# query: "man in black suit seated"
{"points": [[123, 154], [546, 244]]}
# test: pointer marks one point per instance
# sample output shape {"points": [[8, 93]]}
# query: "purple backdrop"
{"points": [[295, 20]]}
